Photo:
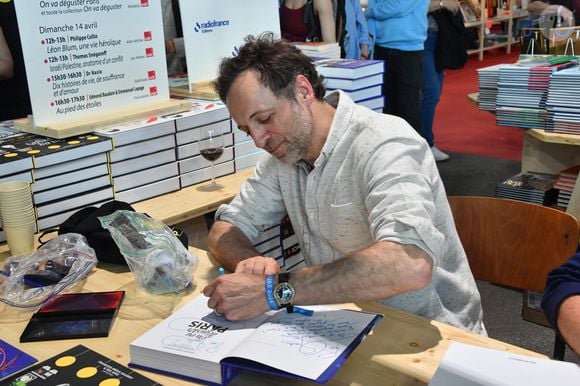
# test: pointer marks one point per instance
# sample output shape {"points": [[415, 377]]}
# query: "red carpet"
{"points": [[460, 127]]}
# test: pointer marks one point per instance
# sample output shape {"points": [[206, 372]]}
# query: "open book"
{"points": [[196, 343]]}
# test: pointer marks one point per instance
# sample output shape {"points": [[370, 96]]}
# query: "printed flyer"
{"points": [[88, 57]]}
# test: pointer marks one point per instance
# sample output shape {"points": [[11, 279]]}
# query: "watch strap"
{"points": [[270, 293]]}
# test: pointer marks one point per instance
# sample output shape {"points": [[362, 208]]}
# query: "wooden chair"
{"points": [[514, 243]]}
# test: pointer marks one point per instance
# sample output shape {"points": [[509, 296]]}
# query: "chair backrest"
{"points": [[513, 243]]}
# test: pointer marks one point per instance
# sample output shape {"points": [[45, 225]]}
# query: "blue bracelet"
{"points": [[302, 311], [270, 293]]}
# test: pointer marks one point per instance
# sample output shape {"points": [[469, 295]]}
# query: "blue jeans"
{"points": [[431, 90], [402, 82]]}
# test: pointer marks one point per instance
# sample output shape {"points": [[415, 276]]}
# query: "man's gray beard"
{"points": [[301, 139]]}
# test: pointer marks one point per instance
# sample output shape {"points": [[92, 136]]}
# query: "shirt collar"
{"points": [[340, 123]]}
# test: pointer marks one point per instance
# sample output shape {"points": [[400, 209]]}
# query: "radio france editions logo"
{"points": [[210, 25]]}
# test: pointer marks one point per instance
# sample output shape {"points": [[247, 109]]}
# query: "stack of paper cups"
{"points": [[17, 216]]}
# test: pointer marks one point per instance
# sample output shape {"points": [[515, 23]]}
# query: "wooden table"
{"points": [[193, 201], [403, 349]]}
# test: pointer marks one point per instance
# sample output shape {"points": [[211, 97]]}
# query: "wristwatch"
{"points": [[284, 292]]}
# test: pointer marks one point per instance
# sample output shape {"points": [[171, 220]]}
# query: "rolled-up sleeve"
{"points": [[401, 202]]}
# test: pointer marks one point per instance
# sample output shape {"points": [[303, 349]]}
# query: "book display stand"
{"points": [[90, 123], [198, 90]]}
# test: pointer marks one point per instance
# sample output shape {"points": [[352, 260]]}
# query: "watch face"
{"points": [[284, 293]]}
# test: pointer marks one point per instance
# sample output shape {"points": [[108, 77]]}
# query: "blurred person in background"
{"points": [[6, 62], [433, 79], [14, 97], [307, 20], [353, 32], [400, 30]]}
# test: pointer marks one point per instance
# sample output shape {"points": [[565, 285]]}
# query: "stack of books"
{"points": [[488, 78], [143, 163], [67, 174], [280, 242], [246, 153], [537, 188], [523, 93], [14, 166], [320, 50], [190, 125], [521, 98], [361, 79], [563, 104], [565, 183]]}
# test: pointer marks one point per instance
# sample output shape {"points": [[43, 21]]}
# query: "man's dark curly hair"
{"points": [[278, 62]]}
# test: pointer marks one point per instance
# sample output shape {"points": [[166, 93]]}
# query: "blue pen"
{"points": [[221, 271]]}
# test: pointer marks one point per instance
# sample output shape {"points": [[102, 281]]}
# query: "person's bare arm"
{"points": [[383, 270], [6, 62], [569, 322], [323, 8], [235, 251], [229, 245]]}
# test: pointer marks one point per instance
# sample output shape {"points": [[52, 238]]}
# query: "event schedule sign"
{"points": [[215, 29], [87, 57]]}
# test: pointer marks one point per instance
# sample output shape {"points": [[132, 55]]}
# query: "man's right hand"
{"points": [[258, 265]]}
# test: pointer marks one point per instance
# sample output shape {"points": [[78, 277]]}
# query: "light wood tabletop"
{"points": [[403, 349], [195, 200]]}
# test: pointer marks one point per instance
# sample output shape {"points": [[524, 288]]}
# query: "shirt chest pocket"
{"points": [[346, 227]]}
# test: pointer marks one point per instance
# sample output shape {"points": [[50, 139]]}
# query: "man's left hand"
{"points": [[237, 296], [258, 265]]}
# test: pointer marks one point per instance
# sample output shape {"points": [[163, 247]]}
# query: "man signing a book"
{"points": [[361, 189]]}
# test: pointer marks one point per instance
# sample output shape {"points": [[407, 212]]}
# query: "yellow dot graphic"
{"points": [[110, 382], [92, 137], [65, 361], [75, 142], [10, 155], [33, 152], [86, 372], [54, 146]]}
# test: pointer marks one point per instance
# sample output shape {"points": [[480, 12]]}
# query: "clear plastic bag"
{"points": [[158, 260], [68, 257]]}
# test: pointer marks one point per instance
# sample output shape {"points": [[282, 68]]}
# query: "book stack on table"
{"points": [[361, 79], [143, 163], [66, 174], [280, 242], [488, 78], [320, 50], [536, 188], [563, 103], [14, 166], [565, 183], [246, 153], [189, 125]]}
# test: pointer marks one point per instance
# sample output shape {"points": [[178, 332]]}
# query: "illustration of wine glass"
{"points": [[211, 147]]}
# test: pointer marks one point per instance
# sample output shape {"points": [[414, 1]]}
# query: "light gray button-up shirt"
{"points": [[374, 180]]}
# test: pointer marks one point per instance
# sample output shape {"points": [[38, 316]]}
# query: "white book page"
{"points": [[195, 331], [303, 345], [468, 365]]}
